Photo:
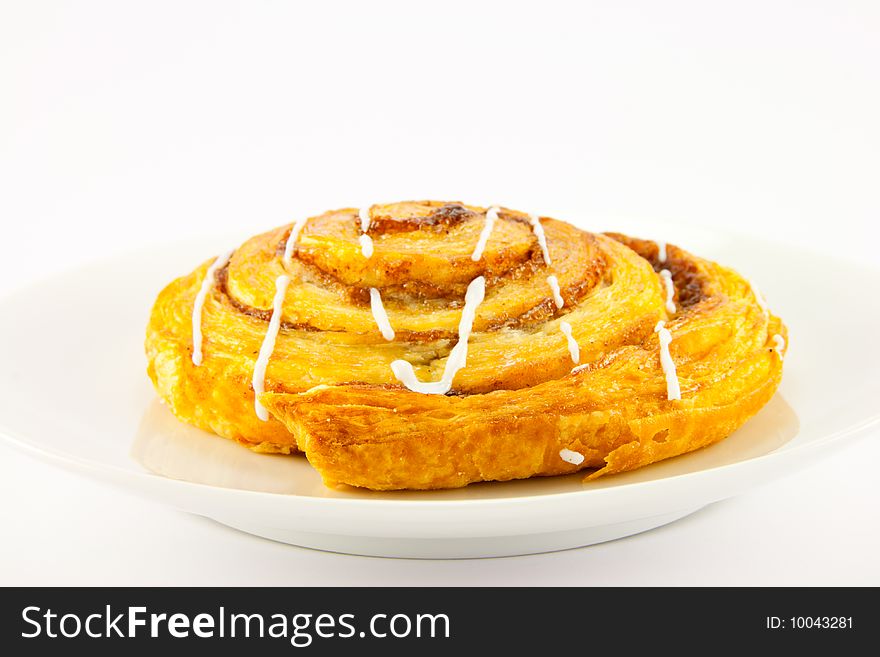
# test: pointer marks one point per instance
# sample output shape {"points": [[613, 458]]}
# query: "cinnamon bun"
{"points": [[423, 345]]}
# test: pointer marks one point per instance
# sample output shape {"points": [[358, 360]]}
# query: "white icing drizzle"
{"points": [[538, 229], [779, 342], [457, 359], [760, 299], [570, 456], [661, 247], [365, 240], [380, 315], [366, 245], [364, 216], [268, 346], [207, 284], [673, 388], [579, 368], [291, 239], [491, 218], [666, 275], [553, 282], [573, 348]]}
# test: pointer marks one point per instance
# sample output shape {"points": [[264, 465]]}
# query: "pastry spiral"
{"points": [[423, 345]]}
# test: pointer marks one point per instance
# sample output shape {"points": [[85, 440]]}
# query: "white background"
{"points": [[124, 124]]}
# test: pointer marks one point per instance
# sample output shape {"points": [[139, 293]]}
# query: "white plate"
{"points": [[73, 391]]}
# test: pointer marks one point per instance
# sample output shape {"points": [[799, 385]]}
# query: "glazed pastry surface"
{"points": [[572, 364]]}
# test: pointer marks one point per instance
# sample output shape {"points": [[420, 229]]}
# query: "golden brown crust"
{"points": [[332, 394]]}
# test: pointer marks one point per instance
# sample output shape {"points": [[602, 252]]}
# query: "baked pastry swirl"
{"points": [[423, 345]]}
